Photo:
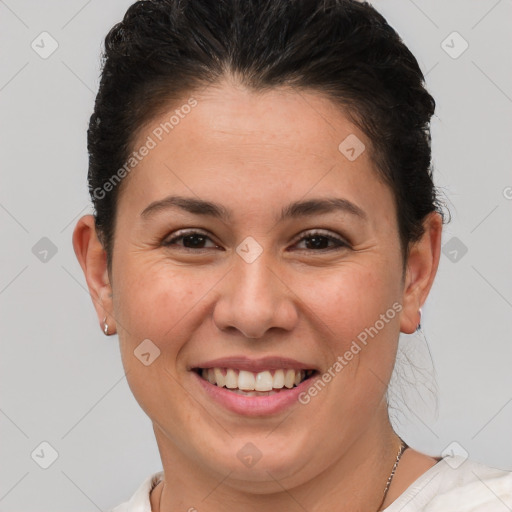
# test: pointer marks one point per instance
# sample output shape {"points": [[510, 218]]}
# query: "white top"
{"points": [[452, 485]]}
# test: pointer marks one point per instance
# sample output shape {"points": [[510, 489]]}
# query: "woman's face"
{"points": [[267, 279]]}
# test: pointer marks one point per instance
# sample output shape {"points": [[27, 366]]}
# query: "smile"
{"points": [[264, 383], [255, 394]]}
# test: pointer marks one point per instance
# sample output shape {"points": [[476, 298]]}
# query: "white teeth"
{"points": [[278, 379], [220, 379], [246, 380], [264, 381], [231, 379], [261, 382], [289, 378]]}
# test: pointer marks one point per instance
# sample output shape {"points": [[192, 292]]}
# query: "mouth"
{"points": [[264, 383]]}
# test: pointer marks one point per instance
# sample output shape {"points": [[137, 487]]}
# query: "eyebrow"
{"points": [[293, 210]]}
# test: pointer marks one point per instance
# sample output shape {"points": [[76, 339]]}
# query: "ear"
{"points": [[420, 272], [93, 260]]}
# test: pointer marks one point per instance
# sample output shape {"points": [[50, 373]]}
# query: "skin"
{"points": [[254, 153]]}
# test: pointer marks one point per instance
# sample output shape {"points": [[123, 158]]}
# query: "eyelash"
{"points": [[340, 243]]}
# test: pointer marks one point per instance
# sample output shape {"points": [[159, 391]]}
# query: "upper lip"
{"points": [[254, 365]]}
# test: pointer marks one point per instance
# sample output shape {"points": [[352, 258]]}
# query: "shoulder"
{"points": [[460, 484], [140, 500], [468, 485]]}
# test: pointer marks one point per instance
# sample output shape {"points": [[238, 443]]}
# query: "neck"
{"points": [[354, 482]]}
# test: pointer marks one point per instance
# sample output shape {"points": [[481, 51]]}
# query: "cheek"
{"points": [[154, 298], [156, 303], [350, 299], [358, 307]]}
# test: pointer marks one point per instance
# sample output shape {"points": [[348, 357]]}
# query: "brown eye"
{"points": [[319, 241], [190, 240]]}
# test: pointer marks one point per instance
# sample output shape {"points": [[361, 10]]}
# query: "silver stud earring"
{"points": [[105, 326], [419, 323]]}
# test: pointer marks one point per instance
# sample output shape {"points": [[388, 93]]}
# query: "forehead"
{"points": [[244, 146]]}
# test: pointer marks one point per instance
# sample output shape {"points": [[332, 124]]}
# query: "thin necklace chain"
{"points": [[403, 447]]}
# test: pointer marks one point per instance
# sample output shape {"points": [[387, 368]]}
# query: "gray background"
{"points": [[63, 381]]}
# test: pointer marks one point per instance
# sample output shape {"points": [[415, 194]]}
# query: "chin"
{"points": [[260, 462]]}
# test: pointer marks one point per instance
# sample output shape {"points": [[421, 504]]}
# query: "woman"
{"points": [[265, 227]]}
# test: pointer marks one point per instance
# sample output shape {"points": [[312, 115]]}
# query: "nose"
{"points": [[254, 298]]}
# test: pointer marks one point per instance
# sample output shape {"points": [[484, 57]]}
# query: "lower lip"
{"points": [[254, 405]]}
